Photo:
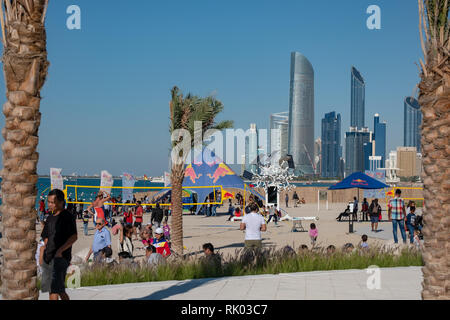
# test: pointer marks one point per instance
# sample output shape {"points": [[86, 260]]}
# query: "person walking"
{"points": [[273, 214], [138, 219], [374, 212], [286, 198], [102, 239], [86, 217], [253, 224], [157, 216], [313, 234], [59, 234], [396, 214], [295, 198]]}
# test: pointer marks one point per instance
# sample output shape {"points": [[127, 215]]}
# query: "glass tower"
{"points": [[354, 150], [412, 123], [301, 114], [358, 96], [380, 141], [279, 124], [331, 144]]}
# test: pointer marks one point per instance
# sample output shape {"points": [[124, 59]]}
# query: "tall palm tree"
{"points": [[184, 111], [25, 68], [434, 99]]}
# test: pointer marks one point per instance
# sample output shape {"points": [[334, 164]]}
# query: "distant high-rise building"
{"points": [[253, 148], [376, 120], [380, 140], [318, 156], [301, 114], [391, 168], [354, 149], [279, 124], [331, 145], [367, 149], [358, 96], [407, 161], [412, 123]]}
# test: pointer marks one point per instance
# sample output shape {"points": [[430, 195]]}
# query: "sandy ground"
{"points": [[226, 236]]}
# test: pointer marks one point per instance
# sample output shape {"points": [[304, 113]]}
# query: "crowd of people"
{"points": [[59, 233], [407, 222]]}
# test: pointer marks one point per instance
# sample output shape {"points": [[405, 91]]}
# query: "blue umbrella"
{"points": [[359, 180]]}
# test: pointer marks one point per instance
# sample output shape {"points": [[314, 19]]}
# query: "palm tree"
{"points": [[434, 99], [25, 68], [184, 112]]}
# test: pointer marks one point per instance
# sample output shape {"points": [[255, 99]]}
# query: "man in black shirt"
{"points": [[59, 234], [157, 215]]}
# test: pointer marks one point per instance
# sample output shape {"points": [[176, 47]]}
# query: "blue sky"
{"points": [[105, 102]]}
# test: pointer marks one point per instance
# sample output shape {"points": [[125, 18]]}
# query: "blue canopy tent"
{"points": [[358, 180], [211, 172]]}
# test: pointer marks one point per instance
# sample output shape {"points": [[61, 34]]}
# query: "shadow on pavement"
{"points": [[177, 289]]}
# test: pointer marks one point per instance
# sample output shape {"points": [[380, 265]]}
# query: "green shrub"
{"points": [[248, 262]]}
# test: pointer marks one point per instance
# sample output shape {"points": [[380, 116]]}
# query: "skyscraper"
{"points": [[376, 120], [380, 141], [331, 144], [358, 96], [412, 123], [354, 149], [279, 124], [367, 149], [318, 156], [253, 148], [301, 114]]}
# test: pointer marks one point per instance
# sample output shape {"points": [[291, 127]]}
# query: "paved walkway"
{"points": [[395, 283]]}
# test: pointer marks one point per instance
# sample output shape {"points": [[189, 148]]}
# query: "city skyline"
{"points": [[112, 101]]}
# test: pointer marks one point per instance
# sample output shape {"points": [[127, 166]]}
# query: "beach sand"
{"points": [[226, 236]]}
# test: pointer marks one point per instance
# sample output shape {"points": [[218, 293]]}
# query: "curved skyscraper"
{"points": [[301, 114], [413, 120], [358, 97]]}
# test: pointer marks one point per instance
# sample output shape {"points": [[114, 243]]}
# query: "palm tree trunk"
{"points": [[25, 68], [177, 177], [436, 180]]}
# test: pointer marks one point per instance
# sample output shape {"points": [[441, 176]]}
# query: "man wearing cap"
{"points": [[102, 239], [161, 244]]}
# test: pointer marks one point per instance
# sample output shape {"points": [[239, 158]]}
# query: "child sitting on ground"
{"points": [[106, 256], [364, 244], [313, 233]]}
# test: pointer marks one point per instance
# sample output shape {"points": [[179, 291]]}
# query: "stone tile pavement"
{"points": [[395, 283]]}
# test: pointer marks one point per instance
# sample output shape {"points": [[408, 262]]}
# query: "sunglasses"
{"points": [[99, 224]]}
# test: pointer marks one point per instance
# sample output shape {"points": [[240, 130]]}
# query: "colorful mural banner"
{"points": [[380, 175], [127, 181], [56, 179]]}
